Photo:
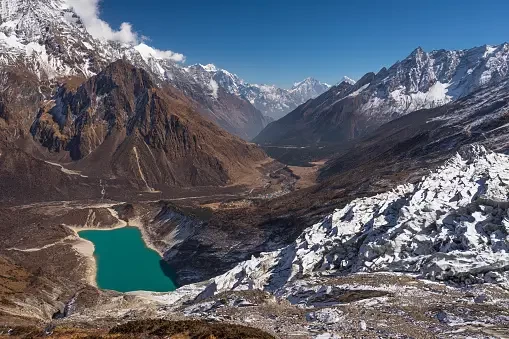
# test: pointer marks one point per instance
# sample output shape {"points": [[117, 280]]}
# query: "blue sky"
{"points": [[283, 41]]}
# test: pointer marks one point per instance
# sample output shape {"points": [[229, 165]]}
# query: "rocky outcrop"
{"points": [[20, 95]]}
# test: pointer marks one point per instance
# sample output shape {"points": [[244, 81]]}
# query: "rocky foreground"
{"points": [[424, 260]]}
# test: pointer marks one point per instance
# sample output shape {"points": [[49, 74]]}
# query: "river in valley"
{"points": [[125, 263]]}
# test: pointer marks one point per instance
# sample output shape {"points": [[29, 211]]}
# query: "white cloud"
{"points": [[88, 11], [214, 87], [148, 52]]}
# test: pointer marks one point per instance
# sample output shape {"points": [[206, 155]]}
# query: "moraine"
{"points": [[125, 263]]}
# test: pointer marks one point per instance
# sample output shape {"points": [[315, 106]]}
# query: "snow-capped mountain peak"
{"points": [[348, 80], [308, 88], [51, 41], [210, 67], [421, 80], [307, 80], [276, 102], [269, 99]]}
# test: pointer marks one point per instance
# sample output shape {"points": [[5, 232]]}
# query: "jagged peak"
{"points": [[348, 80], [12, 8], [366, 79], [308, 80], [121, 72], [416, 54], [418, 50], [209, 67]]}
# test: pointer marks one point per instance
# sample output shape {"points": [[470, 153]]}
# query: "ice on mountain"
{"points": [[359, 91], [210, 68]]}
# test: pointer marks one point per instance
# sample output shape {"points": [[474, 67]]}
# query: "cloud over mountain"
{"points": [[89, 12]]}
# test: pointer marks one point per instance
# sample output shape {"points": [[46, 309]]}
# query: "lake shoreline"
{"points": [[135, 223], [86, 248], [122, 259]]}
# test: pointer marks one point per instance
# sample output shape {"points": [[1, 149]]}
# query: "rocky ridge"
{"points": [[120, 122]]}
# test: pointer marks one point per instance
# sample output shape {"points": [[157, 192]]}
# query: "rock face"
{"points": [[120, 122], [422, 80], [451, 226], [49, 40], [272, 101], [19, 99]]}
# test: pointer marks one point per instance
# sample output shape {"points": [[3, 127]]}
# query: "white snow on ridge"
{"points": [[359, 91], [269, 99], [214, 87], [489, 50], [434, 97], [348, 80], [209, 67], [430, 79]]}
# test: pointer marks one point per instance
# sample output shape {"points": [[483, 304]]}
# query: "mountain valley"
{"points": [[375, 208]]}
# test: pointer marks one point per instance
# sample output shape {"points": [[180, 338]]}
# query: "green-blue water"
{"points": [[125, 264]]}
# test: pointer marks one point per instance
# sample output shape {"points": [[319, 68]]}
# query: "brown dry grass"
{"points": [[307, 175], [13, 279], [71, 83], [187, 329]]}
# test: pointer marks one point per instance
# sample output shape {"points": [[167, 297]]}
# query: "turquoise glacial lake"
{"points": [[125, 263]]}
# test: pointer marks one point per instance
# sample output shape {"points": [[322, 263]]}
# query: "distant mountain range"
{"points": [[49, 40], [272, 101], [422, 80]]}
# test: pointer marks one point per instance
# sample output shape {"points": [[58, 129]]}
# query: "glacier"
{"points": [[452, 226]]}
